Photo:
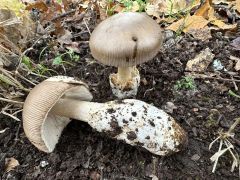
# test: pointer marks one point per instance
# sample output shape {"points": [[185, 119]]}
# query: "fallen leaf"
{"points": [[237, 60], [200, 62], [203, 10], [189, 23], [169, 7], [118, 8], [66, 38], [10, 164], [207, 11], [238, 5], [236, 43], [153, 10], [40, 5], [237, 66], [201, 34], [14, 5], [224, 26]]}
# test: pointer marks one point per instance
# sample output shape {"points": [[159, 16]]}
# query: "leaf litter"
{"points": [[64, 25]]}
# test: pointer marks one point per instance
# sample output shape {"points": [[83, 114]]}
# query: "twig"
{"points": [[10, 101], [87, 26], [234, 83], [204, 76], [63, 15], [10, 115], [19, 75], [232, 127]]}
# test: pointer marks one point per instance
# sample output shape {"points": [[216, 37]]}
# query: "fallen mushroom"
{"points": [[51, 103], [125, 40]]}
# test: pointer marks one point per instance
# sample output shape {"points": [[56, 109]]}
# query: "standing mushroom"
{"points": [[125, 40], [51, 103]]}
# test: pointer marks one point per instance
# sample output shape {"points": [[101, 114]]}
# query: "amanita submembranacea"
{"points": [[125, 40], [51, 103]]}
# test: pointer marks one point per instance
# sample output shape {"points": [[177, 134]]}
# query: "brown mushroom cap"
{"points": [[43, 128], [126, 39]]}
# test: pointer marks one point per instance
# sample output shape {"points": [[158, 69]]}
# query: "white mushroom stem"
{"points": [[130, 120], [80, 110], [125, 83], [124, 74]]}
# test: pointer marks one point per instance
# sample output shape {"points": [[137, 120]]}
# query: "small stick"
{"points": [[10, 115], [235, 86], [63, 15], [203, 76], [86, 26], [19, 75], [10, 101], [232, 127]]}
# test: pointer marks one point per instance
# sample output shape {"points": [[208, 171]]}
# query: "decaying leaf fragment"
{"points": [[237, 60], [189, 23], [10, 164], [236, 43], [201, 34], [238, 5], [169, 7], [200, 62]]}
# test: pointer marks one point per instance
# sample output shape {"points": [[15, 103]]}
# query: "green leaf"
{"points": [[57, 60], [26, 60], [230, 92]]}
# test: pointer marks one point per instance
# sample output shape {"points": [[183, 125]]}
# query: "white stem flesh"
{"points": [[130, 120]]}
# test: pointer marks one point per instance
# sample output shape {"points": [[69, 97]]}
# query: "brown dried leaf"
{"points": [[237, 66], [10, 164], [66, 38], [200, 62], [201, 34], [203, 10], [40, 5], [224, 26], [189, 23]]}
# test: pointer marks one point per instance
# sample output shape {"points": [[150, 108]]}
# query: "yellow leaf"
{"points": [[203, 10], [13, 5], [189, 23], [223, 26], [169, 7]]}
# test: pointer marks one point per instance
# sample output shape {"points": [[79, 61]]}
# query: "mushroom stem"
{"points": [[80, 110], [130, 120], [124, 74]]}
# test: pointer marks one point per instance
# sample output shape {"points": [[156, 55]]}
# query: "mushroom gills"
{"points": [[129, 120]]}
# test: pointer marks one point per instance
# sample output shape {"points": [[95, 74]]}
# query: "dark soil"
{"points": [[83, 153]]}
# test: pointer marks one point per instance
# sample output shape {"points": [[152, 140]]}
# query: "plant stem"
{"points": [[237, 121]]}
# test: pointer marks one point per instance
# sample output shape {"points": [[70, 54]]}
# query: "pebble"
{"points": [[43, 164], [195, 157]]}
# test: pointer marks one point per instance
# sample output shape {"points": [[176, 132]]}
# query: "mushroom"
{"points": [[125, 40], [50, 104]]}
